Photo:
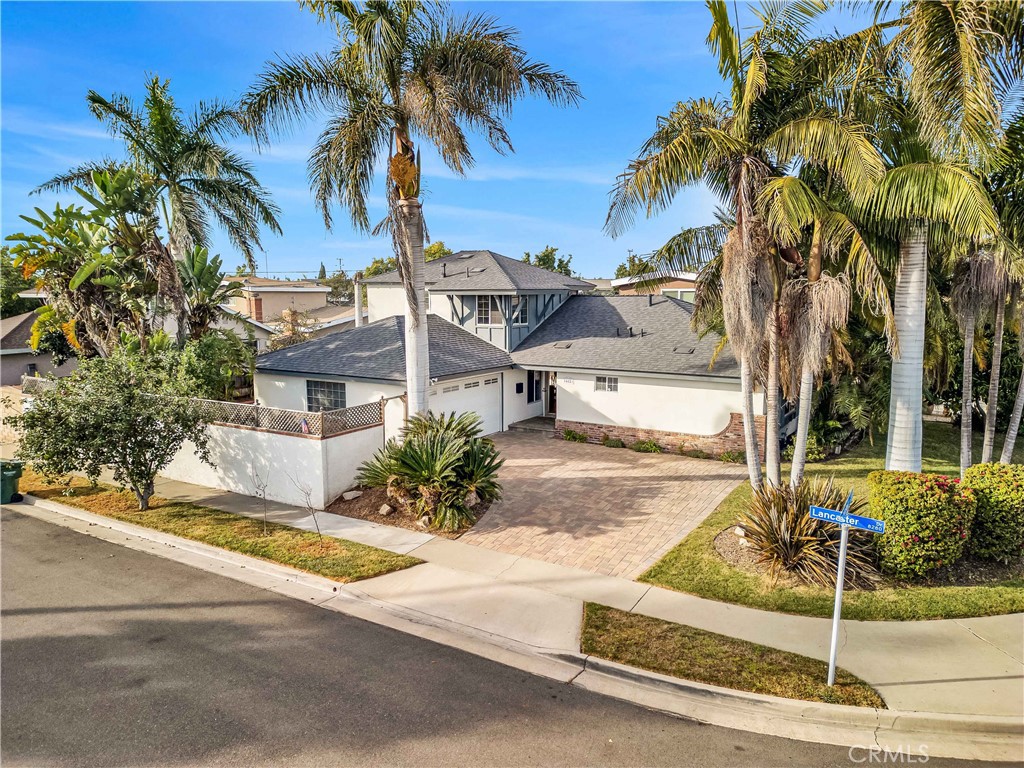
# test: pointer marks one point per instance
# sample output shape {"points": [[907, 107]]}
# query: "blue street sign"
{"points": [[842, 517]]}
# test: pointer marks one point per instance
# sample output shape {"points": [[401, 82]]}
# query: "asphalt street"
{"points": [[112, 657]]}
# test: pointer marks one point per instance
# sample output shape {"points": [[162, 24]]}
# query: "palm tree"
{"points": [[403, 72], [772, 119], [205, 290], [1009, 442], [197, 177], [954, 55]]}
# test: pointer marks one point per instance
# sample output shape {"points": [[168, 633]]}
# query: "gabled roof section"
{"points": [[487, 271], [377, 351], [593, 332], [16, 331]]}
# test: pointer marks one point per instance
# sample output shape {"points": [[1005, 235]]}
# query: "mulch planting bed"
{"points": [[367, 507]]}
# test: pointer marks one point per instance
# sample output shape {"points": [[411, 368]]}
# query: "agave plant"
{"points": [[786, 539], [440, 470]]}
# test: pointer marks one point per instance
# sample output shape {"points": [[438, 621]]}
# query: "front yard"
{"points": [[332, 558], [695, 565]]}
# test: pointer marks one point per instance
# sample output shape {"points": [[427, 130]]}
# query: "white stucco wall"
{"points": [[384, 301], [691, 406], [289, 392], [277, 458], [516, 407], [342, 456]]}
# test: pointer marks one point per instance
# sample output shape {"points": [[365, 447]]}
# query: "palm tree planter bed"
{"points": [[696, 566], [367, 507]]}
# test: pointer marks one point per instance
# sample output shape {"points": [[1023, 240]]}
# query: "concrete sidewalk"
{"points": [[965, 666]]}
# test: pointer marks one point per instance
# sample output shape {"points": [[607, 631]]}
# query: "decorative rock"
{"points": [[423, 522], [350, 495], [385, 510], [739, 531], [472, 499]]}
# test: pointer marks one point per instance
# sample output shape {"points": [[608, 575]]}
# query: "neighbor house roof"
{"points": [[593, 332], [377, 351], [250, 283], [487, 271], [657, 276], [16, 332]]}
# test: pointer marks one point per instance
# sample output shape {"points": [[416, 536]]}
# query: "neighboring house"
{"points": [[510, 341], [246, 328], [16, 356], [677, 284], [271, 302]]}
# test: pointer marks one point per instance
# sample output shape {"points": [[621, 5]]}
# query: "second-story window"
{"points": [[520, 310], [488, 312]]}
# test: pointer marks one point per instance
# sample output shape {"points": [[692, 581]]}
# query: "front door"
{"points": [[552, 393]]}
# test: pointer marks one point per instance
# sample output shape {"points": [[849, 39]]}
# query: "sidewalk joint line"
{"points": [[642, 596], [988, 642], [586, 660]]}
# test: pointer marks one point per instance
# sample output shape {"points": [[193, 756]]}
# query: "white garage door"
{"points": [[481, 396]]}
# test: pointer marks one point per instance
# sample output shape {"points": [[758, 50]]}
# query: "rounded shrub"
{"points": [[646, 446], [927, 521], [998, 529]]}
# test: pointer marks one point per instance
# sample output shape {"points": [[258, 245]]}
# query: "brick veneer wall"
{"points": [[729, 439]]}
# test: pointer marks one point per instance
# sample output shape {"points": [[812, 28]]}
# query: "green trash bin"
{"points": [[10, 471]]}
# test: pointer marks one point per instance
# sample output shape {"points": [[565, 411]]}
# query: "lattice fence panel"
{"points": [[298, 422], [344, 419]]}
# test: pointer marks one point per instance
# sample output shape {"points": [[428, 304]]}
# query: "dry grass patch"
{"points": [[706, 657], [332, 558]]}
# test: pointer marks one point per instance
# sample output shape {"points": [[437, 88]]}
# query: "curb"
{"points": [[972, 737]]}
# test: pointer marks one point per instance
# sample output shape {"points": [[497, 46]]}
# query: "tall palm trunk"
{"points": [[903, 447], [749, 427], [967, 396], [992, 403], [417, 361], [1011, 430], [772, 460], [803, 425]]}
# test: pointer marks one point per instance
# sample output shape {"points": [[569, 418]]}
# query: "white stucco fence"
{"points": [[286, 462]]}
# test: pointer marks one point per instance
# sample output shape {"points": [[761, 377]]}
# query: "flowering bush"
{"points": [[927, 521], [998, 530]]}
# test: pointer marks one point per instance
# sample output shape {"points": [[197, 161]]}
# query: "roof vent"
{"points": [[469, 255], [683, 350], [562, 344]]}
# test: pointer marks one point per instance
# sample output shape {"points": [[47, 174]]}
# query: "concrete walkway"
{"points": [[966, 666]]}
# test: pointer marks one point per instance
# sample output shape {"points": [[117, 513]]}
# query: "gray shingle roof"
{"points": [[592, 332], [487, 271], [377, 351], [16, 331]]}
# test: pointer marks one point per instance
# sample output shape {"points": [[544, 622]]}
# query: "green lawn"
{"points": [[335, 559], [706, 657], [695, 566]]}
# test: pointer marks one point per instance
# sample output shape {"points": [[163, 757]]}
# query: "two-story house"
{"points": [[510, 341]]}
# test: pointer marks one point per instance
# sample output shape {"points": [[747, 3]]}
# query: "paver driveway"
{"points": [[607, 510]]}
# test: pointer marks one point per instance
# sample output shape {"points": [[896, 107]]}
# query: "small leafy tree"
{"points": [[380, 266], [436, 250], [633, 266], [550, 260], [13, 282], [125, 412]]}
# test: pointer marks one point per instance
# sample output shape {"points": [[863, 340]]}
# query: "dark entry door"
{"points": [[552, 394]]}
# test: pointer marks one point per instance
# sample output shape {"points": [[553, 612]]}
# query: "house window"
{"points": [[488, 312], [520, 310], [324, 395], [606, 383], [686, 294]]}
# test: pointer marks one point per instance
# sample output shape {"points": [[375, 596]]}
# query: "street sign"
{"points": [[846, 521], [845, 518]]}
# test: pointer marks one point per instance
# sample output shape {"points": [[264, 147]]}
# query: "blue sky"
{"points": [[633, 61]]}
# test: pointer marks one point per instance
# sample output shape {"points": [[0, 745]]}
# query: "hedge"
{"points": [[998, 529], [927, 521]]}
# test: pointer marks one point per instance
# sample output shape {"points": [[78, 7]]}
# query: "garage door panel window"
{"points": [[606, 383], [324, 395]]}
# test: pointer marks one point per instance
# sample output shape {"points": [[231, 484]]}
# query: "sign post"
{"points": [[846, 521]]}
